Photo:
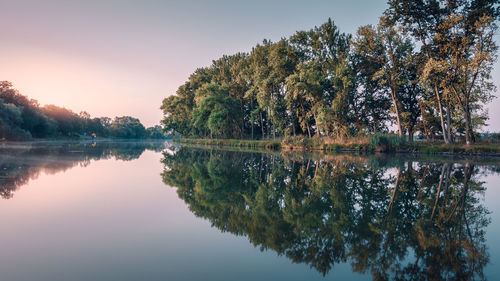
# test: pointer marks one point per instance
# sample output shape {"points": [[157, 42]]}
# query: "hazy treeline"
{"points": [[22, 118], [396, 220], [424, 68]]}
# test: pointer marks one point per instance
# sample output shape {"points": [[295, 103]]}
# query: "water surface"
{"points": [[155, 211]]}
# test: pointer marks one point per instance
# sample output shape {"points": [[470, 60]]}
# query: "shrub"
{"points": [[297, 141], [386, 142]]}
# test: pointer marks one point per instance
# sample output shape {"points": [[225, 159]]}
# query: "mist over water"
{"points": [[157, 211]]}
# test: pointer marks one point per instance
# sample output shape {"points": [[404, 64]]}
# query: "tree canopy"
{"points": [[425, 68]]}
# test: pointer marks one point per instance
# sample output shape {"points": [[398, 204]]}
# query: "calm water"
{"points": [[155, 211]]}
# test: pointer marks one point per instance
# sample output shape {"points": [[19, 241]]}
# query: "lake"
{"points": [[159, 211]]}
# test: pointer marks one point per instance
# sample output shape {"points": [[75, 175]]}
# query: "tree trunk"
{"points": [[398, 115], [242, 119], [318, 131], [269, 127], [252, 131], [424, 123], [262, 125], [274, 130], [436, 90], [448, 121], [443, 126], [468, 134]]}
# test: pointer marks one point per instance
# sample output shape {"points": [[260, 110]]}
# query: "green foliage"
{"points": [[268, 144], [385, 142], [155, 132], [127, 127], [322, 82], [300, 85], [458, 51], [216, 112], [301, 142], [10, 122]]}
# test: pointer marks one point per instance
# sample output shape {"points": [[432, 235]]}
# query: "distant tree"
{"points": [[68, 122], [10, 123], [155, 132], [33, 120], [127, 127]]}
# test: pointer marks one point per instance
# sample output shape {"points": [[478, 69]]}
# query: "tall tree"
{"points": [[467, 52], [420, 18], [390, 53]]}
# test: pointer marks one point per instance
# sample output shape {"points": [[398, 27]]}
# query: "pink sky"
{"points": [[114, 58]]}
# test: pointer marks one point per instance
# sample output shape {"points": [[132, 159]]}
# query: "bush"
{"points": [[386, 142], [297, 141]]}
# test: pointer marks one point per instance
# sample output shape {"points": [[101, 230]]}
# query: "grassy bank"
{"points": [[267, 144], [375, 143]]}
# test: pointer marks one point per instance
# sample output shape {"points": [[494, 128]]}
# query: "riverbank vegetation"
{"points": [[22, 118], [268, 144], [425, 70], [373, 143]]}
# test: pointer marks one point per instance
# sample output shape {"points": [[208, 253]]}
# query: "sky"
{"points": [[114, 58]]}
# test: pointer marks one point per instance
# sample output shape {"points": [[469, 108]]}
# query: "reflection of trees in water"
{"points": [[20, 164], [405, 220]]}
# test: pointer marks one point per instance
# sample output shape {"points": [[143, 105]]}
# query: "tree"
{"points": [[305, 94], [68, 122], [467, 52], [390, 54], [323, 82], [216, 111], [127, 127], [420, 18], [10, 123], [33, 120], [177, 110], [328, 48]]}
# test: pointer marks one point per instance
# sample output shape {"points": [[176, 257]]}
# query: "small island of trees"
{"points": [[425, 70]]}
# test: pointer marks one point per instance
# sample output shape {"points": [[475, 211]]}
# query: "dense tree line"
{"points": [[424, 68], [22, 118], [396, 219]]}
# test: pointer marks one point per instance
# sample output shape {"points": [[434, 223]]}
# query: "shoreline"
{"points": [[477, 150]]}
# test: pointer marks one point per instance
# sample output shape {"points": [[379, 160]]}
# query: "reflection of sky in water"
{"points": [[492, 198], [116, 220]]}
